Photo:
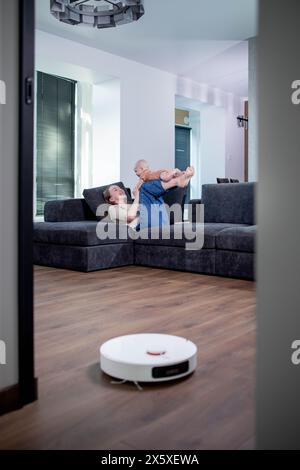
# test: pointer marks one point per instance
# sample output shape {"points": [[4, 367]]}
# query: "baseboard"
{"points": [[10, 399]]}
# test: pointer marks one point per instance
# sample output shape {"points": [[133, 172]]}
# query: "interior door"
{"points": [[183, 151], [246, 163], [27, 381]]}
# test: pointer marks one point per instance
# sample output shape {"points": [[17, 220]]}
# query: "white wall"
{"points": [[235, 141], [147, 100], [147, 121], [217, 144], [213, 139], [195, 152], [229, 160], [84, 138], [253, 111], [8, 192], [202, 93], [106, 133]]}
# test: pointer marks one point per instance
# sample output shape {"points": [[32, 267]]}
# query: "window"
{"points": [[55, 139]]}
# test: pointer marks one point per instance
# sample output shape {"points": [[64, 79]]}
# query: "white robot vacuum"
{"points": [[148, 358]]}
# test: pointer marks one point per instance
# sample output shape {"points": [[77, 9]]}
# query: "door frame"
{"points": [[27, 381]]}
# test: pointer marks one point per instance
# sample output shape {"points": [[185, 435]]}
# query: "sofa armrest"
{"points": [[69, 210], [192, 209]]}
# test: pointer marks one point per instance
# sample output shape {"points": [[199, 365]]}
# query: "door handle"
{"points": [[29, 90]]}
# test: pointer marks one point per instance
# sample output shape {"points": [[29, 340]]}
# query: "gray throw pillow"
{"points": [[94, 196]]}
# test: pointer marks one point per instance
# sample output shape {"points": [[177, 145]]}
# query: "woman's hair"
{"points": [[106, 195]]}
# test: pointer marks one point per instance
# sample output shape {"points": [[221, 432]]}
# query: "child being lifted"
{"points": [[143, 171]]}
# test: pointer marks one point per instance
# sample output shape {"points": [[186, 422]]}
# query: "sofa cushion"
{"points": [[186, 231], [94, 197], [175, 196], [68, 210], [74, 233], [235, 264], [172, 257], [229, 203], [83, 258], [237, 239]]}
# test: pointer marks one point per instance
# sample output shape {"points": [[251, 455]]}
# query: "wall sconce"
{"points": [[242, 121]]}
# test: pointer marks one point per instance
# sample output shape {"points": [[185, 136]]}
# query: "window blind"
{"points": [[55, 139]]}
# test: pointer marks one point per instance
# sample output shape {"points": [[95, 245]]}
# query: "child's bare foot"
{"points": [[177, 173], [190, 171], [184, 179]]}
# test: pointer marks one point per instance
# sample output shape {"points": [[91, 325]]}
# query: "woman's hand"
{"points": [[132, 213], [137, 188]]}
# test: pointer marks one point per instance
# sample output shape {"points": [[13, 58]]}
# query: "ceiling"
{"points": [[203, 40]]}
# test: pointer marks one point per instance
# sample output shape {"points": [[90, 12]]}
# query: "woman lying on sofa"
{"points": [[148, 208]]}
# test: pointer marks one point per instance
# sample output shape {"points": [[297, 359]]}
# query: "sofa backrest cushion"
{"points": [[229, 203], [175, 196], [94, 197], [69, 210]]}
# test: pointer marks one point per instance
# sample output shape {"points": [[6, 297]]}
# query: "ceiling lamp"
{"points": [[97, 13]]}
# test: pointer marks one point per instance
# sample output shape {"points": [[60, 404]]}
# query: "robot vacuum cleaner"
{"points": [[148, 357]]}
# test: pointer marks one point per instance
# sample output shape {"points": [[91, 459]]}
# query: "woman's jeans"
{"points": [[153, 212]]}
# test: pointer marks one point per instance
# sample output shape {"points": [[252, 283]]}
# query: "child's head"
{"points": [[140, 166]]}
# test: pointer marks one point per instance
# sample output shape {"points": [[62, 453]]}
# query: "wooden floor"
{"points": [[80, 409]]}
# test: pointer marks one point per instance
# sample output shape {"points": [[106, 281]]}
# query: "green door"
{"points": [[183, 151]]}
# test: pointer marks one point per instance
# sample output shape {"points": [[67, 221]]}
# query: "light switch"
{"points": [[2, 92]]}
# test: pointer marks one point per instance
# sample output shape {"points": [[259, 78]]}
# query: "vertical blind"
{"points": [[55, 139]]}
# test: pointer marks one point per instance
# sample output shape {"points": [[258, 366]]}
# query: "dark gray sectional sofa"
{"points": [[68, 239]]}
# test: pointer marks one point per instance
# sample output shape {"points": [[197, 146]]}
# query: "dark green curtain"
{"points": [[55, 139]]}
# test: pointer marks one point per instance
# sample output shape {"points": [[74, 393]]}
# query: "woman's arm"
{"points": [[133, 209], [125, 213]]}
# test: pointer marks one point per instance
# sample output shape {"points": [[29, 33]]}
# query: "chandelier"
{"points": [[97, 13]]}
